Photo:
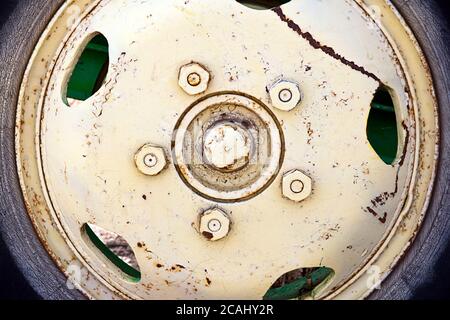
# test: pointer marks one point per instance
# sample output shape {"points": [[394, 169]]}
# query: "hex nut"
{"points": [[150, 160], [227, 147], [214, 224], [296, 185], [194, 78], [285, 95]]}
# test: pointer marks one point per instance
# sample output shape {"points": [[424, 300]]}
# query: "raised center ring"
{"points": [[228, 147]]}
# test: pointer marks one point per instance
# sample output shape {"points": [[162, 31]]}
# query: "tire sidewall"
{"points": [[18, 37], [419, 266]]}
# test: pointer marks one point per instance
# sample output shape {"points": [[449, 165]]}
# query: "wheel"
{"points": [[214, 150]]}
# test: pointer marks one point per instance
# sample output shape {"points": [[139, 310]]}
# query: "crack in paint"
{"points": [[317, 45], [405, 145], [381, 199]]}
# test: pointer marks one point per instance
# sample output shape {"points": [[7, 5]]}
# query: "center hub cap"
{"points": [[228, 147]]}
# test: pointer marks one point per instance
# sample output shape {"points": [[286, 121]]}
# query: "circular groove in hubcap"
{"points": [[228, 147]]}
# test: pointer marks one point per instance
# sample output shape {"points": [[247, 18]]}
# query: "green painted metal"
{"points": [[300, 287], [135, 275], [382, 131], [263, 4], [90, 71]]}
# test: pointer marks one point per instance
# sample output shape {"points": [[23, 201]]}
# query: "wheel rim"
{"points": [[82, 165]]}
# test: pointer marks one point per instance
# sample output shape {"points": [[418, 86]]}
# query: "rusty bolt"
{"points": [[150, 160], [193, 78], [214, 224], [285, 95], [296, 185]]}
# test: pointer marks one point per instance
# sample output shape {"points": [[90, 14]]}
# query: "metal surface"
{"points": [[301, 286], [84, 81], [76, 164]]}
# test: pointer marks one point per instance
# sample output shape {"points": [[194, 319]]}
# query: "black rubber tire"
{"points": [[423, 268], [18, 36]]}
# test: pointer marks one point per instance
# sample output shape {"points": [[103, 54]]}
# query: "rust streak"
{"points": [[405, 145], [317, 45], [382, 219]]}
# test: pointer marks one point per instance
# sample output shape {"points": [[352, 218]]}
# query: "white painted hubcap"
{"points": [[227, 146]]}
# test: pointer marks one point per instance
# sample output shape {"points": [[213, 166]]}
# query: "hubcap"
{"points": [[216, 121]]}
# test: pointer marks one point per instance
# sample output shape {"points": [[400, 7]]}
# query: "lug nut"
{"points": [[296, 185], [285, 95], [194, 78], [150, 160], [214, 224]]}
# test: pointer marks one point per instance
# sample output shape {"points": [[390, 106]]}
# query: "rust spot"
{"points": [[405, 146], [247, 124], [382, 219], [317, 45], [208, 282], [381, 199], [207, 235], [310, 132], [326, 236]]}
